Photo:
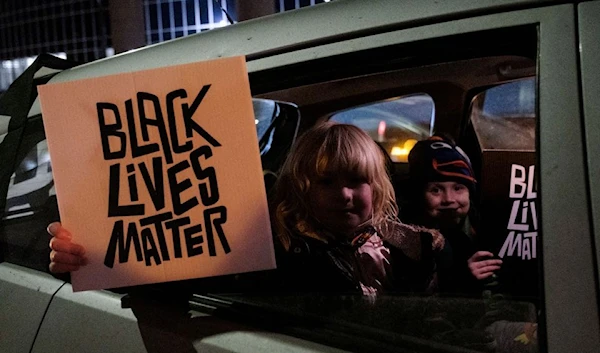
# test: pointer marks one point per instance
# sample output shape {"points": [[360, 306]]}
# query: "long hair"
{"points": [[325, 147]]}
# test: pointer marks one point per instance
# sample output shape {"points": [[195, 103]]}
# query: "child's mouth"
{"points": [[447, 210], [346, 212]]}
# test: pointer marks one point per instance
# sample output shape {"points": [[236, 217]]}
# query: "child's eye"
{"points": [[325, 181], [434, 190], [460, 187], [358, 180]]}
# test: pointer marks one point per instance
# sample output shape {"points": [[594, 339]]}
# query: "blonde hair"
{"points": [[325, 147]]}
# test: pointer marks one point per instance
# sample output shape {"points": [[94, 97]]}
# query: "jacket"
{"points": [[392, 258]]}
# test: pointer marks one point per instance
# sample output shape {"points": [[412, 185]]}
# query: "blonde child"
{"points": [[335, 219]]}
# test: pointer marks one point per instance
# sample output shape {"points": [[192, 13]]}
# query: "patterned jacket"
{"points": [[395, 257]]}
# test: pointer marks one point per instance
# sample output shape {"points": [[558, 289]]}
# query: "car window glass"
{"points": [[396, 124], [504, 116], [30, 207], [4, 121], [31, 184]]}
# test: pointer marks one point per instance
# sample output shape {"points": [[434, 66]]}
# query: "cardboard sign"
{"points": [[158, 174]]}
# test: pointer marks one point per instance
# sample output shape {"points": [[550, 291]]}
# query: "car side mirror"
{"points": [[277, 128]]}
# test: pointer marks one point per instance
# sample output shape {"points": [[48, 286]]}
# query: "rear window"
{"points": [[396, 124], [504, 116]]}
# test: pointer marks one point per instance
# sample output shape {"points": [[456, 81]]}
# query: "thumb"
{"points": [[56, 230]]}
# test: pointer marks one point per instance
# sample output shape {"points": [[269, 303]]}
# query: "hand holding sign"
{"points": [[65, 256], [147, 168]]}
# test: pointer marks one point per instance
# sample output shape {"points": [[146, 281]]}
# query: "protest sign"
{"points": [[158, 173]]}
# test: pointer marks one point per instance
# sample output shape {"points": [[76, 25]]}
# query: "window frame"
{"points": [[589, 37]]}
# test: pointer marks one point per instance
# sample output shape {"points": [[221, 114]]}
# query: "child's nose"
{"points": [[345, 193], [448, 196]]}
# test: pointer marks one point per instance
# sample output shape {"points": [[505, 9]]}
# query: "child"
{"points": [[335, 218], [443, 182]]}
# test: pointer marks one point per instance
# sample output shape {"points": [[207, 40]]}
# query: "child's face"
{"points": [[446, 203], [341, 202]]}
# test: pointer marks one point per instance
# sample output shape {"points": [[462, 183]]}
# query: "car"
{"points": [[514, 82]]}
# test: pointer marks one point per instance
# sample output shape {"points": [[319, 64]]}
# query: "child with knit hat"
{"points": [[442, 185]]}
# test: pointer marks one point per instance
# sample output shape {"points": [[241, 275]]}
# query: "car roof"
{"points": [[293, 30]]}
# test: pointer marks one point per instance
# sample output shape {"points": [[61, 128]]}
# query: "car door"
{"points": [[447, 51]]}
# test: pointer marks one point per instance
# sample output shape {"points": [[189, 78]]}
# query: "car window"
{"points": [[504, 116], [399, 100], [31, 184], [30, 202], [396, 124], [504, 121], [4, 121]]}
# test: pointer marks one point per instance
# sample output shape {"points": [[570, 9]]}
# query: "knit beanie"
{"points": [[439, 159]]}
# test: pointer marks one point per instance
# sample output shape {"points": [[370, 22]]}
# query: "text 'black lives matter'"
{"points": [[147, 236]]}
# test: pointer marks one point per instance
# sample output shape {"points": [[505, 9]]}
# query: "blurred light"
{"points": [[255, 121], [381, 131], [400, 153]]}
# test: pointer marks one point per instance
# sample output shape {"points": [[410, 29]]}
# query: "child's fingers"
{"points": [[65, 255], [484, 276], [480, 255], [62, 268], [66, 258], [57, 231], [484, 269], [65, 246], [494, 262], [487, 269]]}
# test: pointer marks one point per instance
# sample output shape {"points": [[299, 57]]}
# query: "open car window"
{"points": [[398, 101]]}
